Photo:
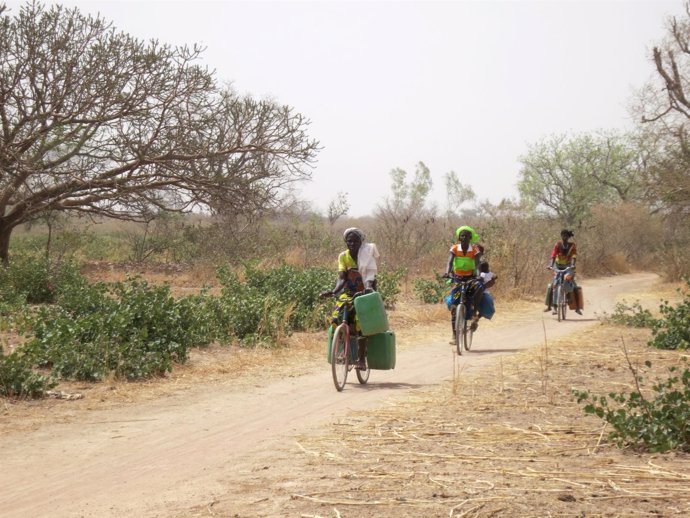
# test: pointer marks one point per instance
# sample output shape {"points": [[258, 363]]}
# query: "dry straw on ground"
{"points": [[509, 441]]}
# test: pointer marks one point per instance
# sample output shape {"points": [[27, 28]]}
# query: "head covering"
{"points": [[354, 230], [473, 239]]}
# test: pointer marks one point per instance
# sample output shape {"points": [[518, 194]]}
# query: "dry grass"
{"points": [[507, 441]]}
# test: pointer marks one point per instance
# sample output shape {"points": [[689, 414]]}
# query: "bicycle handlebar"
{"points": [[458, 278], [565, 270], [358, 294]]}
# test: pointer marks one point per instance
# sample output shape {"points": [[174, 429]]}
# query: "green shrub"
{"points": [[430, 291], [673, 329], [272, 302], [633, 316], [17, 379], [389, 285], [670, 331], [658, 425], [294, 288], [35, 280], [131, 329]]}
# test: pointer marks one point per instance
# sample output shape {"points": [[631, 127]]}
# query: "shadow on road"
{"points": [[575, 320], [373, 385], [492, 351]]}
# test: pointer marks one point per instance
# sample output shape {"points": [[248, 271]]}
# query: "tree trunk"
{"points": [[5, 233]]}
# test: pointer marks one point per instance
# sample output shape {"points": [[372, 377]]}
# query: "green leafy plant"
{"points": [[673, 329], [271, 302], [35, 280], [17, 378], [389, 285], [670, 331], [131, 329], [430, 291], [656, 424], [633, 315]]}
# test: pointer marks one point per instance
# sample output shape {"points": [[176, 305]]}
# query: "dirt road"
{"points": [[175, 452]]}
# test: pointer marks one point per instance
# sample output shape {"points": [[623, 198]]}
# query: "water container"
{"points": [[381, 351], [571, 299], [486, 306], [353, 346], [580, 298], [371, 314], [547, 300]]}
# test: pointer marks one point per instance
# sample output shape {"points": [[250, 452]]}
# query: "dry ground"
{"points": [[509, 440]]}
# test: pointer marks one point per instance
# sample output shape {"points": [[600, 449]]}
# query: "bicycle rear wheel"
{"points": [[468, 338], [460, 327], [340, 356]]}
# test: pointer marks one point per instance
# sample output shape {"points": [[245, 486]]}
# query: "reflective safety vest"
{"points": [[464, 262]]}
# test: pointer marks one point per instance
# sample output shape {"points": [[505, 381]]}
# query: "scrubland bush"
{"points": [[18, 379], [671, 330], [34, 280], [430, 291], [656, 424], [271, 302], [130, 329], [659, 423]]}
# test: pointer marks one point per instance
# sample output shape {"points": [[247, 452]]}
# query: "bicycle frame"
{"points": [[558, 291], [463, 335]]}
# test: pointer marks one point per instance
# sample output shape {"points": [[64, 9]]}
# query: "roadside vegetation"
{"points": [[657, 417]]}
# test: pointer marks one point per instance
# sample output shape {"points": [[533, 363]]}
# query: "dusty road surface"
{"points": [[150, 458]]}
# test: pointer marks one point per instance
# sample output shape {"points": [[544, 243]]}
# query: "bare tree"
{"points": [[94, 121], [665, 112], [338, 207]]}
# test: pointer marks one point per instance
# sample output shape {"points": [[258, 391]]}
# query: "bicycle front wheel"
{"points": [[561, 303], [340, 356], [363, 375], [460, 327]]}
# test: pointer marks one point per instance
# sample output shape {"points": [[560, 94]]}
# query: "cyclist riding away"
{"points": [[463, 265], [356, 274], [564, 255]]}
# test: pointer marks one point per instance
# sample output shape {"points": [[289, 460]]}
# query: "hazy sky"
{"points": [[463, 86]]}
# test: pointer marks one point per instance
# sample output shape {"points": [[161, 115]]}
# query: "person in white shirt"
{"points": [[486, 275]]}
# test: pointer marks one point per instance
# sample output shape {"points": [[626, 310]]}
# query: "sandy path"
{"points": [[175, 452]]}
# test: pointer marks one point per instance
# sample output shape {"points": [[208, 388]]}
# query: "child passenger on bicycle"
{"points": [[356, 273], [488, 279], [463, 264]]}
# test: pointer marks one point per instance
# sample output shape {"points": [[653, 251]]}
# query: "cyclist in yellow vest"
{"points": [[463, 263], [357, 268]]}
